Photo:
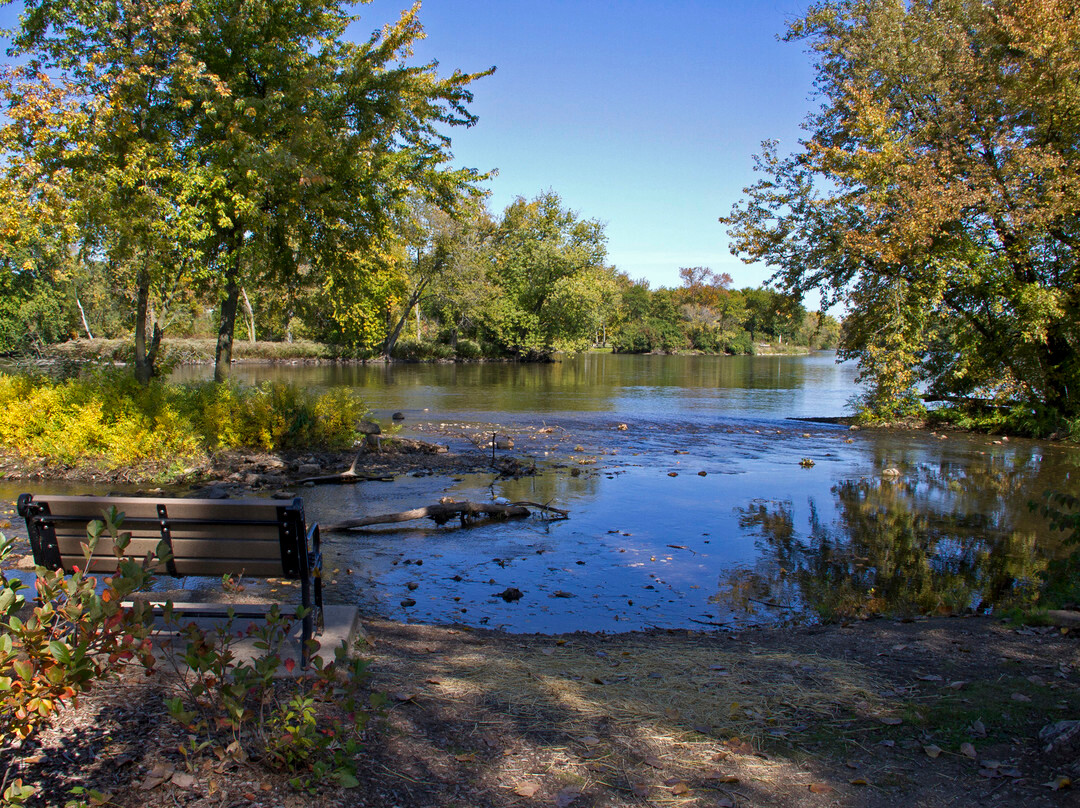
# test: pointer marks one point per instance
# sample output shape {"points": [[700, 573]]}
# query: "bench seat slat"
{"points": [[181, 548], [203, 566], [64, 537]]}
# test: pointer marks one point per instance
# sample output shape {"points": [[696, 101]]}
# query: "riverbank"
{"points": [[876, 714], [177, 350]]}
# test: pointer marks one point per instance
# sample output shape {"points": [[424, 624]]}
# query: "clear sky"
{"points": [[643, 114]]}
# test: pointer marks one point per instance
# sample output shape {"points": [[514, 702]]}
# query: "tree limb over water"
{"points": [[443, 512]]}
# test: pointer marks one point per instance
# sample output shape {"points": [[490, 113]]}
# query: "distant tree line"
{"points": [[464, 285]]}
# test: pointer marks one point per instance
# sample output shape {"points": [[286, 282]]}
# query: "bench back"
{"points": [[260, 538]]}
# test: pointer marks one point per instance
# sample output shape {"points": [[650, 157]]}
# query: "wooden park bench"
{"points": [[258, 538]]}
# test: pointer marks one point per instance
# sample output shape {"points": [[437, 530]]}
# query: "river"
{"points": [[705, 511]]}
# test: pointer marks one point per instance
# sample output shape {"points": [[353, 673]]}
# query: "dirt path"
{"points": [[874, 714]]}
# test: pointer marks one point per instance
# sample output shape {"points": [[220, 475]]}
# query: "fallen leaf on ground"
{"points": [[184, 780], [465, 757], [1059, 783], [858, 781], [526, 789], [956, 685], [932, 750], [891, 720], [821, 788], [726, 802], [742, 747], [158, 775], [1020, 697], [968, 750], [680, 788], [720, 777], [640, 790]]}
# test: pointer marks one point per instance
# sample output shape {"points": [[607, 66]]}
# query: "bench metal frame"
{"points": [[258, 538]]}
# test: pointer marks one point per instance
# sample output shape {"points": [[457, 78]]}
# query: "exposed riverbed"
{"points": [[712, 507]]}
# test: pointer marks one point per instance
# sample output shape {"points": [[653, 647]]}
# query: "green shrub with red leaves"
{"points": [[73, 633]]}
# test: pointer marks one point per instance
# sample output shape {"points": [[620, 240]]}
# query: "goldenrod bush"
{"points": [[105, 418]]}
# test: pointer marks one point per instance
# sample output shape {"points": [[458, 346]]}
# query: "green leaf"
{"points": [[60, 652], [346, 779], [24, 669]]}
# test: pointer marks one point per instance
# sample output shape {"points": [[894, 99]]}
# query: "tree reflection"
{"points": [[928, 544]]}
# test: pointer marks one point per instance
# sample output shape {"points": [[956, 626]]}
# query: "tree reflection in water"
{"points": [[897, 547]]}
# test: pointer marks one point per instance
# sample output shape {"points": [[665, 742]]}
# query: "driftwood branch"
{"points": [[350, 475], [346, 477], [558, 511], [441, 514]]}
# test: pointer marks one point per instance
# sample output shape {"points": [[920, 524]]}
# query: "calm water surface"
{"points": [[697, 514]]}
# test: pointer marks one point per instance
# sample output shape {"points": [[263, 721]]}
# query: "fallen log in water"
{"points": [[351, 475], [445, 511]]}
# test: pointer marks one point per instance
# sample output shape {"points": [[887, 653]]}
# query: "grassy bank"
{"points": [[105, 420], [408, 349], [190, 351]]}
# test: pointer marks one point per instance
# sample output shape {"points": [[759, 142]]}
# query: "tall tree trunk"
{"points": [[82, 314], [227, 322], [414, 298], [144, 368], [250, 315]]}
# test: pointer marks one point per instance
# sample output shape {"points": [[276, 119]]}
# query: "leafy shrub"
{"points": [[740, 343], [310, 726], [410, 349], [468, 349], [440, 350], [108, 419], [73, 637], [651, 334]]}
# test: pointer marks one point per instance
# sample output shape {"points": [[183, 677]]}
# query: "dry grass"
{"points": [[674, 684]]}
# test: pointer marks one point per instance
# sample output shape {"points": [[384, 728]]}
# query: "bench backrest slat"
{"points": [[262, 538]]}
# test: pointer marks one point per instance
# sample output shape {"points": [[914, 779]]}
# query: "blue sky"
{"points": [[643, 114]]}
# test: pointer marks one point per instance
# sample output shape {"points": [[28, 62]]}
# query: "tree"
{"points": [[319, 144], [246, 138], [106, 121], [437, 241], [542, 256], [938, 193]]}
